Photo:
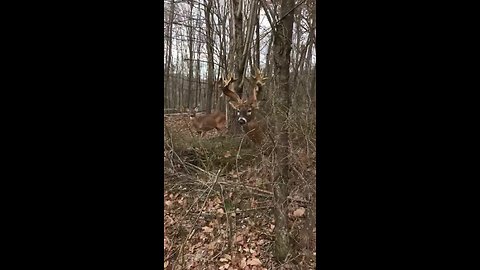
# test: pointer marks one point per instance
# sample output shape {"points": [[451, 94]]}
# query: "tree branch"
{"points": [[290, 11]]}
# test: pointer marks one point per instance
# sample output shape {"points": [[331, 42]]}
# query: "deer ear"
{"points": [[234, 104]]}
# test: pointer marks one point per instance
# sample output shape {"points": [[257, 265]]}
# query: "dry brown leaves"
{"points": [[198, 230]]}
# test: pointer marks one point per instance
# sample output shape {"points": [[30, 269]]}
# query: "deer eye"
{"points": [[238, 112], [249, 112]]}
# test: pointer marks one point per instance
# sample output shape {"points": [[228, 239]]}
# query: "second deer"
{"points": [[204, 123]]}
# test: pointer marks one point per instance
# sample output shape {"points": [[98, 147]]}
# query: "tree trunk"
{"points": [[198, 96], [210, 70], [247, 49], [301, 83], [237, 8], [282, 48], [221, 15], [266, 98], [257, 43], [231, 51], [166, 87], [313, 89], [190, 61]]}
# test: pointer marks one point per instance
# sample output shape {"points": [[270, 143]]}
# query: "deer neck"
{"points": [[254, 130]]}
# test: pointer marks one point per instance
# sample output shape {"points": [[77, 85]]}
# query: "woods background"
{"points": [[227, 206]]}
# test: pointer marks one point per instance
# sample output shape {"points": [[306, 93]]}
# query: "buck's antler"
{"points": [[259, 82], [258, 79], [227, 90]]}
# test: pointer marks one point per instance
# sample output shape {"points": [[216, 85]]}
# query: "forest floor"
{"points": [[218, 211]]}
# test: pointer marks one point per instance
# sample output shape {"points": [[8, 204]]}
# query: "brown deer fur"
{"points": [[204, 123], [246, 110]]}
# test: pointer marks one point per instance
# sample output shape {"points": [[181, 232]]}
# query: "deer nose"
{"points": [[242, 120]]}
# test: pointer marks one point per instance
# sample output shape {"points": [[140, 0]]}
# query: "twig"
{"points": [[191, 234], [181, 161], [173, 151], [199, 169], [290, 11], [230, 240], [299, 174], [218, 254], [192, 231], [211, 188], [253, 209], [265, 192], [261, 192], [238, 151]]}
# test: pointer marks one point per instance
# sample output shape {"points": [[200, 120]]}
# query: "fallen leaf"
{"points": [[168, 203], [207, 229], [211, 245], [165, 264], [227, 154], [217, 200], [254, 261], [165, 244], [299, 212], [181, 201], [243, 263]]}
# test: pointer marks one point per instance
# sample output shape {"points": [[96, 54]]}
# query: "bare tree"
{"points": [[198, 92], [221, 18], [169, 55], [257, 40], [282, 48], [208, 21], [190, 60], [238, 66]]}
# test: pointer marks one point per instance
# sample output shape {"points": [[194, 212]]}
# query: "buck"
{"points": [[246, 109], [204, 123]]}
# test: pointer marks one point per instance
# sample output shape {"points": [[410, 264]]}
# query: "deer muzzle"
{"points": [[242, 120]]}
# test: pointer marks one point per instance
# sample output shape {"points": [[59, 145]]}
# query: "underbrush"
{"points": [[210, 154], [218, 200]]}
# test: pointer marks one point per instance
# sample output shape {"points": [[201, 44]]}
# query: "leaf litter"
{"points": [[225, 225]]}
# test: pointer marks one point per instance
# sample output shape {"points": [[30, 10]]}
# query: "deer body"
{"points": [[246, 110], [204, 123]]}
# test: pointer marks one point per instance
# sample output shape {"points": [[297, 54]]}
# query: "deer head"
{"points": [[246, 109], [193, 112]]}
